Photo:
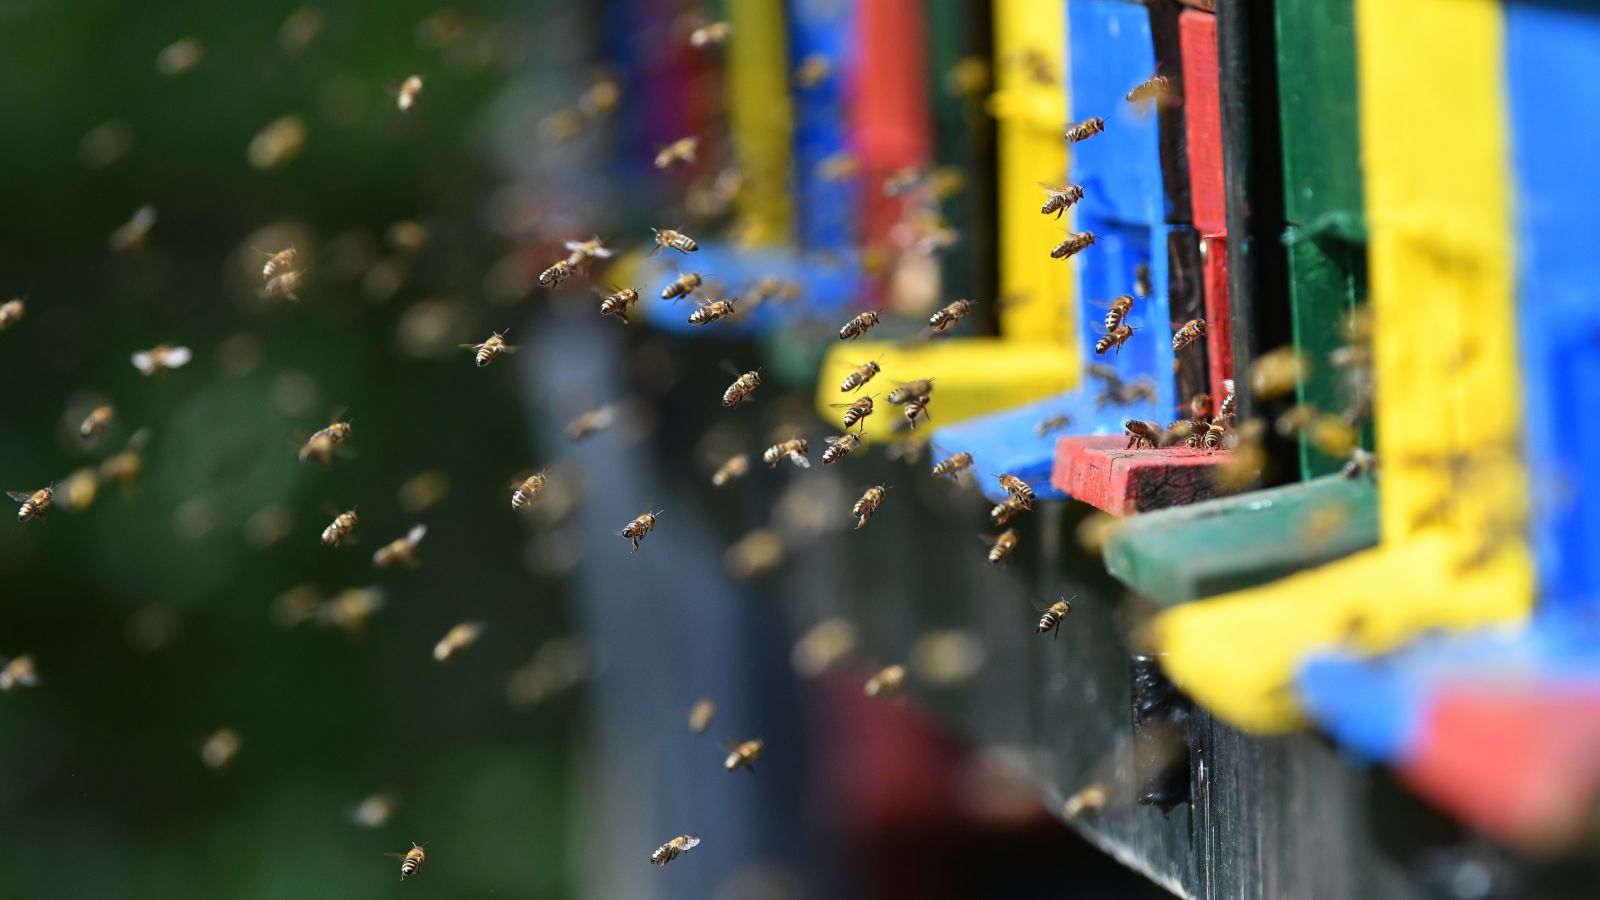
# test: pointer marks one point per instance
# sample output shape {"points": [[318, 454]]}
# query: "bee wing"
{"points": [[177, 357], [799, 460], [19, 496], [512, 348], [470, 346], [989, 539], [144, 361], [416, 534], [1052, 189]]}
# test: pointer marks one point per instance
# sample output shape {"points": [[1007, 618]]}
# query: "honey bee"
{"points": [[863, 374], [401, 549], [1058, 199], [319, 447], [1192, 330], [840, 447], [917, 408], [492, 346], [1052, 614], [679, 845], [910, 390], [682, 286], [561, 271], [286, 284], [1362, 462], [132, 233], [637, 529], [1276, 372], [19, 672], [903, 181], [1214, 434], [1074, 244], [1090, 799], [947, 318], [11, 312], [700, 715], [1017, 488], [285, 260], [710, 311], [708, 36], [590, 422], [161, 358], [524, 492], [350, 608], [1001, 545], [856, 411], [410, 861], [617, 302], [220, 748], [1057, 422], [742, 388], [127, 465], [1196, 438], [733, 467], [406, 96], [1119, 310], [886, 682], [1200, 406], [868, 505], [770, 287], [1142, 434], [1156, 88], [1181, 431], [1229, 403], [580, 252], [34, 503], [812, 71], [1005, 510], [953, 466], [676, 240], [679, 151], [1114, 338], [457, 639], [858, 326], [374, 811], [340, 528], [98, 420], [742, 754], [1084, 130], [839, 166], [794, 449]]}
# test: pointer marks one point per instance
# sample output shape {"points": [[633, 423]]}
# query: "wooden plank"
{"points": [[759, 118], [1099, 471]]}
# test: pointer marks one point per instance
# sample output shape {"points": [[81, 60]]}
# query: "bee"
{"points": [[319, 447], [373, 811], [286, 284], [1226, 410], [710, 311], [11, 312], [220, 748], [1074, 244], [556, 274], [340, 528], [742, 755], [886, 682], [733, 467], [98, 420], [812, 71], [1141, 280], [953, 466], [1362, 462], [127, 465], [1114, 338], [1181, 431], [679, 845], [161, 358], [676, 240], [401, 549], [18, 672], [794, 448], [711, 35], [868, 505], [856, 411], [590, 422], [1051, 617], [1141, 434], [1058, 199], [910, 390], [1200, 406], [858, 326], [1084, 130], [34, 503], [838, 166], [700, 715], [682, 286], [457, 639], [492, 346], [580, 252], [524, 492], [1156, 88], [1017, 488], [1057, 422], [863, 374], [742, 388], [1001, 545], [903, 181], [350, 608], [406, 96], [770, 287], [617, 302], [285, 260], [132, 233], [1192, 330], [1119, 310], [840, 447], [679, 151], [1214, 434], [1005, 510], [917, 408], [946, 318], [410, 861], [637, 529]]}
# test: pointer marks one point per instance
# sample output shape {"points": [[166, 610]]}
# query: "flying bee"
{"points": [[910, 390], [1052, 614], [588, 423], [1005, 510], [128, 465], [1362, 462], [858, 326], [709, 36], [131, 234], [682, 286], [580, 252], [917, 408], [1074, 244], [617, 302], [1156, 88], [340, 528], [319, 447], [679, 845], [1200, 406], [286, 284], [840, 447], [1058, 199], [34, 503], [1084, 130], [98, 420], [637, 529], [1114, 338], [953, 466], [492, 346], [867, 506], [1214, 434], [1119, 310], [673, 239], [700, 715], [401, 549], [794, 448], [556, 274], [733, 467], [457, 639], [285, 260], [710, 311], [1057, 422], [812, 71], [742, 754], [11, 312], [220, 748], [903, 181], [856, 411], [406, 96], [161, 358], [742, 388], [1001, 545], [410, 861], [863, 374], [840, 166], [19, 672], [1192, 330], [524, 492], [770, 287], [1017, 488], [680, 151], [946, 318], [886, 682], [1141, 434]]}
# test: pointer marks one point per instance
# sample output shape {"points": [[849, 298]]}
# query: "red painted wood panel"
{"points": [[1099, 471], [890, 117], [1219, 320], [1197, 33]]}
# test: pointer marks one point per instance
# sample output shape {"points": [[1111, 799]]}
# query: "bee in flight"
{"points": [[285, 260], [742, 755], [794, 449], [617, 302], [19, 672], [1001, 545], [637, 529], [1146, 435], [1005, 510], [1051, 616], [700, 715], [561, 271], [947, 318], [161, 358], [917, 408], [1156, 88], [840, 447], [953, 466], [682, 286], [1116, 337], [588, 423], [1084, 130], [1118, 311], [886, 682], [98, 420], [1074, 244], [1017, 488], [1362, 462], [1192, 330], [863, 374], [812, 71], [678, 152], [410, 89], [401, 549], [34, 503], [410, 861], [674, 848], [855, 411], [1057, 422], [733, 467], [319, 447], [709, 36], [671, 238], [524, 492], [868, 505], [910, 390], [457, 639], [580, 252], [858, 326], [340, 528], [1058, 199], [492, 346], [741, 388], [710, 311], [11, 312]]}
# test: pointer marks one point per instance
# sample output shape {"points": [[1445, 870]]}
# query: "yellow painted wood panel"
{"points": [[761, 119]]}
